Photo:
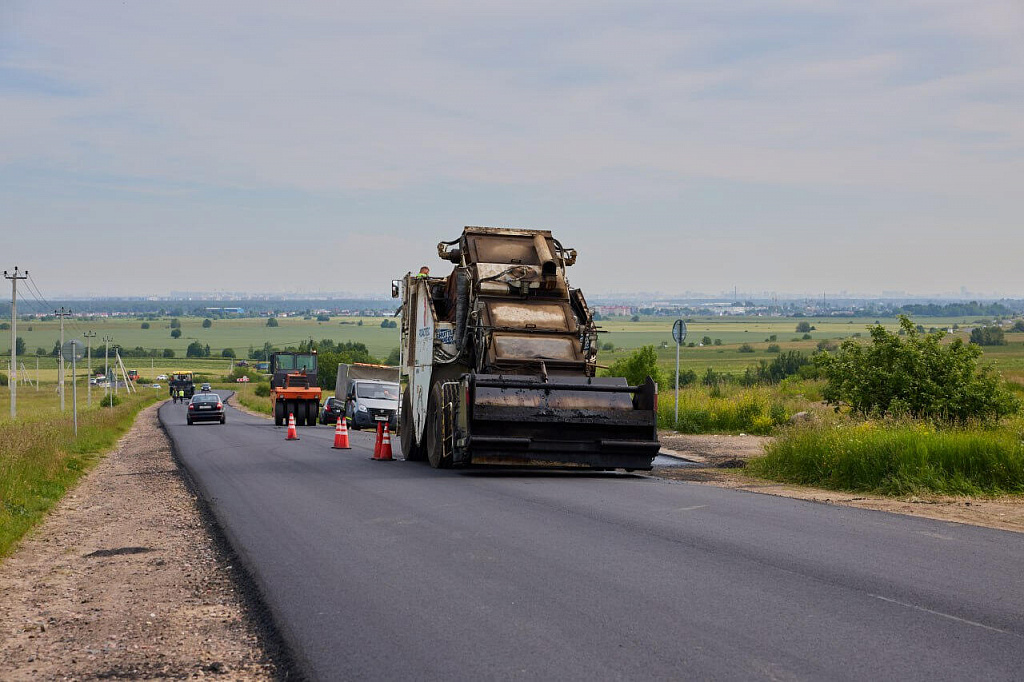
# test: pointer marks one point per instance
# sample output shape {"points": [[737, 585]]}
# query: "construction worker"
{"points": [[424, 272]]}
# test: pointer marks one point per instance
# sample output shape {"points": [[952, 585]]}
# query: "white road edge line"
{"points": [[945, 615]]}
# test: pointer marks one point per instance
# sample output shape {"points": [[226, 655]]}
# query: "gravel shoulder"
{"points": [[125, 580], [721, 460]]}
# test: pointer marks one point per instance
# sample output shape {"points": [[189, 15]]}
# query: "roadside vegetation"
{"points": [[41, 458]]}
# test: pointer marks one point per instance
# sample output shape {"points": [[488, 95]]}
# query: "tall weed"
{"points": [[898, 458], [723, 409]]}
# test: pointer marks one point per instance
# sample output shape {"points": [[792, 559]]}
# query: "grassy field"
{"points": [[237, 334], [41, 458]]}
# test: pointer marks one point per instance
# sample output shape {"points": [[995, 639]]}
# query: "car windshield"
{"points": [[377, 391]]}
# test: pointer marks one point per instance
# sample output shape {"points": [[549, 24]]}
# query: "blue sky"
{"points": [[791, 146]]}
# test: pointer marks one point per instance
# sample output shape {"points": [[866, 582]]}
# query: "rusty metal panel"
{"points": [[535, 347], [554, 316]]}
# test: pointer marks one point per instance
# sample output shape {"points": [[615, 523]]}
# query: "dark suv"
{"points": [[333, 408], [205, 407]]}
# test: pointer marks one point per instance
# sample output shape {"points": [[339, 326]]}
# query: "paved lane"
{"points": [[378, 570]]}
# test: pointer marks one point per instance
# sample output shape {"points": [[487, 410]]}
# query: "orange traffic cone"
{"points": [[292, 433], [380, 440], [341, 435], [385, 447]]}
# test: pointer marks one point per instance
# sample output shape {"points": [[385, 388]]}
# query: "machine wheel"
{"points": [[407, 433], [312, 412], [279, 415], [434, 427], [300, 413]]}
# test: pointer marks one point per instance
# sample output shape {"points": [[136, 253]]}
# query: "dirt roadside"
{"points": [[125, 581], [722, 458]]}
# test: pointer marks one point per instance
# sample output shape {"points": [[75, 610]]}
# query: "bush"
{"points": [[262, 390], [914, 375], [323, 318], [4, 381], [805, 337], [988, 336], [168, 353], [803, 327], [608, 346], [745, 348], [272, 322], [175, 324], [1018, 326], [785, 365], [175, 333], [718, 342], [228, 353], [706, 341], [640, 364], [145, 325], [207, 323], [774, 348]]}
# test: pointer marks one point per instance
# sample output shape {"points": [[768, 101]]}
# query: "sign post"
{"points": [[679, 334]]}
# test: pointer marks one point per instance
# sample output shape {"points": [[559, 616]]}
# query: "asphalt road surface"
{"points": [[392, 570]]}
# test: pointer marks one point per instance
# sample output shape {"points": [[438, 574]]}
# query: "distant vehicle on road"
{"points": [[161, 377], [205, 407], [370, 393], [156, 386], [333, 408], [205, 388]]}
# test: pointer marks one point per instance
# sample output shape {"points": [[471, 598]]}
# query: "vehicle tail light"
{"points": [[220, 406], [191, 406]]}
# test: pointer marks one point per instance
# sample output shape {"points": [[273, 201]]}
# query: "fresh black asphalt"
{"points": [[394, 571]]}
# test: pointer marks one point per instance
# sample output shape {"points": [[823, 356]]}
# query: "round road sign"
{"points": [[679, 331]]}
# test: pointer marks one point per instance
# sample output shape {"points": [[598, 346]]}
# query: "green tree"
{"points": [[175, 324], [988, 336], [197, 350], [19, 346], [803, 327], [1018, 326], [718, 342], [271, 321], [323, 318], [706, 341], [394, 357], [145, 325], [168, 352], [207, 323], [745, 348], [637, 366], [914, 374], [228, 353], [175, 333]]}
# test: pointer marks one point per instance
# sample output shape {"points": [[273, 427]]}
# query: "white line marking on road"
{"points": [[945, 615], [699, 506]]}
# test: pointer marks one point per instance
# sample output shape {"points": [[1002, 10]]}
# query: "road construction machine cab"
{"points": [[294, 390], [499, 359]]}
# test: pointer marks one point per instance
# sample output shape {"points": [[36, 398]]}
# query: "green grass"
{"points": [[898, 459], [729, 409], [245, 394], [41, 458]]}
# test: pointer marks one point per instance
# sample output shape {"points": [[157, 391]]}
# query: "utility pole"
{"points": [[106, 366], [62, 314], [14, 337], [89, 335]]}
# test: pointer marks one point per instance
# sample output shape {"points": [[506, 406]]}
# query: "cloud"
{"points": [[516, 109]]}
